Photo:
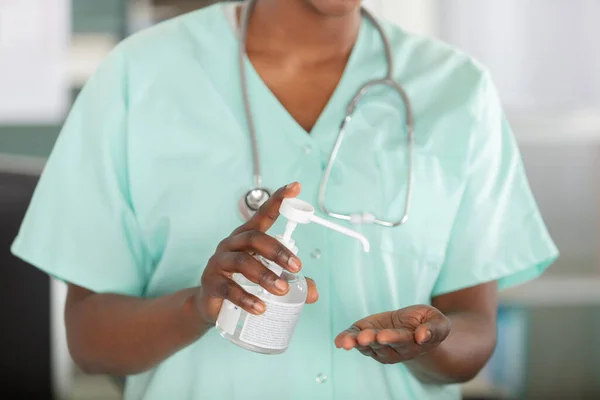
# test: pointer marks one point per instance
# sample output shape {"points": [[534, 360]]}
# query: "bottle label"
{"points": [[273, 329], [229, 317]]}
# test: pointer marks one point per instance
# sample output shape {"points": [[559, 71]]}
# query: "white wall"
{"points": [[34, 44], [419, 16], [542, 53]]}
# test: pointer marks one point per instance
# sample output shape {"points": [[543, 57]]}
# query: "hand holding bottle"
{"points": [[235, 255]]}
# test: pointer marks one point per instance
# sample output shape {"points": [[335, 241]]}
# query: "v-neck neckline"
{"points": [[285, 118]]}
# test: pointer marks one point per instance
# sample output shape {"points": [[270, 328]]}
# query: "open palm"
{"points": [[397, 336]]}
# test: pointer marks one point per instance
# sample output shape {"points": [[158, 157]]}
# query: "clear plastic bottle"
{"points": [[279, 320], [271, 332]]}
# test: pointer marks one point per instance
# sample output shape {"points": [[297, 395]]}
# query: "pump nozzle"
{"points": [[300, 212], [348, 232]]}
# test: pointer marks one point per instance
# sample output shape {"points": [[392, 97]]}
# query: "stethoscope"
{"points": [[258, 195]]}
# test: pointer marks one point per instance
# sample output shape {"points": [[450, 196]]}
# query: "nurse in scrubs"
{"points": [[137, 209]]}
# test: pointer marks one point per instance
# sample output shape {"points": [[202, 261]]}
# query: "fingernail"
{"points": [[294, 264], [281, 285], [260, 307], [290, 185]]}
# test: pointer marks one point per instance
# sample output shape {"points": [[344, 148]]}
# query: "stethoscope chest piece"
{"points": [[251, 201]]}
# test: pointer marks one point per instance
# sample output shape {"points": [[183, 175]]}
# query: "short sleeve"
{"points": [[498, 232], [80, 226]]}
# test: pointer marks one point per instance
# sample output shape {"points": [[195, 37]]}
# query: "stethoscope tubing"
{"points": [[252, 201]]}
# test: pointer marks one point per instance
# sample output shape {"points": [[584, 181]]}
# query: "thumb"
{"points": [[434, 331], [423, 334], [266, 216], [313, 294]]}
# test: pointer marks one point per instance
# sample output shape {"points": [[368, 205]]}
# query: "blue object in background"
{"points": [[507, 368]]}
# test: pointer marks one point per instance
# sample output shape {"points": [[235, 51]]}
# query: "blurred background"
{"points": [[545, 59]]}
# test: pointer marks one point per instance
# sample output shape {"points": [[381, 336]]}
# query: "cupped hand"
{"points": [[397, 336]]}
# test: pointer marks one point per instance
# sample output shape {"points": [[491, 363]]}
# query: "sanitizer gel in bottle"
{"points": [[271, 332]]}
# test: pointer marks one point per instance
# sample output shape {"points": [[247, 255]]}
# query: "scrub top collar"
{"points": [[327, 125]]}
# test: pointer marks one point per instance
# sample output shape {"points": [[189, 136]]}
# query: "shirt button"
{"points": [[321, 378], [316, 254], [307, 149]]}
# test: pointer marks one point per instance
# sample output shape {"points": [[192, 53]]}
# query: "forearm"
{"points": [[462, 355], [120, 335]]}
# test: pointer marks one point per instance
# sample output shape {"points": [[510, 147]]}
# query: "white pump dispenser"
{"points": [[271, 332], [300, 212]]}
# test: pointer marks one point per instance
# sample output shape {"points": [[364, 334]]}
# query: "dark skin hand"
{"points": [[107, 333], [233, 255], [397, 336], [448, 342]]}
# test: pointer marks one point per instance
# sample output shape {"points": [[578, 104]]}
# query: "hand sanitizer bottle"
{"points": [[271, 332]]}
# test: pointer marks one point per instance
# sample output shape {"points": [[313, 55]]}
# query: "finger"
{"points": [[366, 351], [395, 337], [423, 335], [436, 330], [401, 342], [347, 339], [264, 245], [313, 294], [229, 290], [366, 337], [264, 218], [384, 354], [252, 269]]}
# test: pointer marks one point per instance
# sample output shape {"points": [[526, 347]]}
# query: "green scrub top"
{"points": [[145, 179]]}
